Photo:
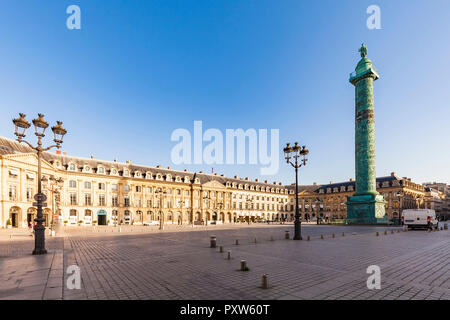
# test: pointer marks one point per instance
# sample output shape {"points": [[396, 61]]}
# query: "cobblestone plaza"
{"points": [[177, 263]]}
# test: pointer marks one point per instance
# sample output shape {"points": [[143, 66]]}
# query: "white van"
{"points": [[419, 218]]}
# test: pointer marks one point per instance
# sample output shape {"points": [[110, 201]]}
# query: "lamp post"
{"points": [[20, 127], [296, 152], [206, 200], [399, 196], [192, 197], [53, 185], [249, 203], [160, 194]]}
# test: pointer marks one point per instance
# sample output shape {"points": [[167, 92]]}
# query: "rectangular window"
{"points": [[138, 201], [114, 201], [101, 186], [138, 188], [12, 193], [29, 193], [126, 201], [101, 200], [114, 187], [87, 185], [87, 199], [149, 203], [73, 198], [126, 188], [72, 184], [149, 190]]}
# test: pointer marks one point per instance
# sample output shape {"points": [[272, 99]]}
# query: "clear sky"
{"points": [[138, 70]]}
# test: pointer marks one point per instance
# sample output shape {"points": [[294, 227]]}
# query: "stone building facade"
{"points": [[98, 192], [328, 200]]}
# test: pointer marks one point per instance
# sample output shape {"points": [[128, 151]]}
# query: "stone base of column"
{"points": [[366, 209]]}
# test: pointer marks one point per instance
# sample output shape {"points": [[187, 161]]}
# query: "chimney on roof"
{"points": [[58, 151], [92, 156], [279, 183], [216, 174], [265, 181], [168, 167], [158, 166], [392, 174], [222, 175], [256, 179], [246, 178], [200, 172], [185, 170], [236, 177], [115, 159], [274, 182], [331, 182]]}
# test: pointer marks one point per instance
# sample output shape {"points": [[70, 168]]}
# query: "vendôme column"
{"points": [[366, 206]]}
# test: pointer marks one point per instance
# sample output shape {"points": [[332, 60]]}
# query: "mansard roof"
{"points": [[8, 146]]}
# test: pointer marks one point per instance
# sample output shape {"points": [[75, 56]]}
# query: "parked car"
{"points": [[151, 223], [420, 218]]}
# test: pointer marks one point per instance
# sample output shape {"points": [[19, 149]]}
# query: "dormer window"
{"points": [[100, 170], [126, 173], [114, 171], [169, 177], [148, 175], [87, 169], [159, 176], [137, 174], [72, 167], [197, 180], [178, 179]]}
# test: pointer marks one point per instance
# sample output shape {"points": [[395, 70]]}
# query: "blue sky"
{"points": [[138, 70]]}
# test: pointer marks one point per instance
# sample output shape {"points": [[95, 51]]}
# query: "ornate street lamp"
{"points": [[53, 185], [296, 152], [192, 197], [160, 193], [20, 127]]}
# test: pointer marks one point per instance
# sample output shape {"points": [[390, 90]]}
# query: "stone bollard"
{"points": [[243, 265], [332, 236], [213, 242], [264, 282], [308, 238], [321, 236], [271, 238], [343, 234], [377, 234], [385, 232], [220, 249], [237, 242], [228, 255], [286, 235]]}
